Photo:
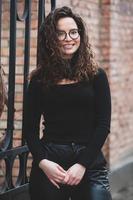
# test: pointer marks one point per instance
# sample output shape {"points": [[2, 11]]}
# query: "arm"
{"points": [[103, 118], [32, 115], [33, 111]]}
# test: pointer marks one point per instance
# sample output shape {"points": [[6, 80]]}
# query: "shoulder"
{"points": [[100, 74], [34, 86], [100, 78], [35, 81], [36, 77]]}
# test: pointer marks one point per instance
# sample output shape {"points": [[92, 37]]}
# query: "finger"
{"points": [[54, 183], [61, 169], [74, 182], [58, 180], [59, 176], [66, 179], [77, 182], [69, 180]]}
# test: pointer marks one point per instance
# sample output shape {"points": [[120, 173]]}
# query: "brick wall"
{"points": [[110, 29], [121, 79]]}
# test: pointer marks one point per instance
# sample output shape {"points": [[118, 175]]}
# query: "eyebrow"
{"points": [[69, 30]]}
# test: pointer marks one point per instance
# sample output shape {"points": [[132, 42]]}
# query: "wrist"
{"points": [[42, 163], [82, 166]]}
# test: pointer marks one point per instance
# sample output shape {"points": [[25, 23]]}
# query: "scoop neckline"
{"points": [[69, 84]]}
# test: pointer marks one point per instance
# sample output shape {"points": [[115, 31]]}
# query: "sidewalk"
{"points": [[121, 180], [124, 194]]}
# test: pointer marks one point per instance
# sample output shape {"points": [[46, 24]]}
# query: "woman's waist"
{"points": [[48, 138], [69, 131], [69, 150]]}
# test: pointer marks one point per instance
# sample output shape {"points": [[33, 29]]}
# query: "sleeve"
{"points": [[32, 115], [103, 118]]}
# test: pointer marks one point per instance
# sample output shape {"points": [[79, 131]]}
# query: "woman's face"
{"points": [[68, 36]]}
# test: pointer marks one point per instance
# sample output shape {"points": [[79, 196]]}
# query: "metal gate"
{"points": [[8, 153]]}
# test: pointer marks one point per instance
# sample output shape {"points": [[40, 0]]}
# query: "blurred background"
{"points": [[110, 28]]}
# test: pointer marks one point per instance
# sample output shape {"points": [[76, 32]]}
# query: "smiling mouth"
{"points": [[68, 46]]}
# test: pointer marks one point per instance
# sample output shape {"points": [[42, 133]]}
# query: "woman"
{"points": [[73, 96]]}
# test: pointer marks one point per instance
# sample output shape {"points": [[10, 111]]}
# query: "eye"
{"points": [[74, 31], [60, 33]]}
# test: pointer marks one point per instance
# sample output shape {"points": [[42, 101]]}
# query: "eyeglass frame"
{"points": [[68, 34]]}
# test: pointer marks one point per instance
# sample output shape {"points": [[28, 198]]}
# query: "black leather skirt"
{"points": [[93, 186]]}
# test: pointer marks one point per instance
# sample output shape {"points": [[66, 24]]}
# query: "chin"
{"points": [[68, 53]]}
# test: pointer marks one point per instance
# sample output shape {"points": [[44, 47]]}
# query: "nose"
{"points": [[68, 37]]}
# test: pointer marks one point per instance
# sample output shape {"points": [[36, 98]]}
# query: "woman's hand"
{"points": [[55, 173], [74, 174]]}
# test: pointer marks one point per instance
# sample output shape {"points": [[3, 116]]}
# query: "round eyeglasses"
{"points": [[73, 34]]}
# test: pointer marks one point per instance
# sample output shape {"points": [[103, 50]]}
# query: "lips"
{"points": [[68, 46]]}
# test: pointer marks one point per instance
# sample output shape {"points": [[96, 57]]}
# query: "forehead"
{"points": [[66, 23]]}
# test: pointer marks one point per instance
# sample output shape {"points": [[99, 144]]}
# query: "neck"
{"points": [[67, 57]]}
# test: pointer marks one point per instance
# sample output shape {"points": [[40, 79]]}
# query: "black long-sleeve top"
{"points": [[76, 112]]}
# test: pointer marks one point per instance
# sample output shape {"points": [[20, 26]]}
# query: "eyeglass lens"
{"points": [[73, 34]]}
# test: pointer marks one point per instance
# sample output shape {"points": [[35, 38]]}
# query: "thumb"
{"points": [[66, 178], [61, 169]]}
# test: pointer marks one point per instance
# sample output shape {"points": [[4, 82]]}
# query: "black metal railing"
{"points": [[8, 153]]}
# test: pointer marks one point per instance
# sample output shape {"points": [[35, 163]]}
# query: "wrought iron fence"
{"points": [[8, 154]]}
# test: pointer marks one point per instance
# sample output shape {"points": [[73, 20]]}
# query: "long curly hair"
{"points": [[51, 66]]}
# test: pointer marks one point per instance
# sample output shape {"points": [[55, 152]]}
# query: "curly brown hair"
{"points": [[52, 67]]}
